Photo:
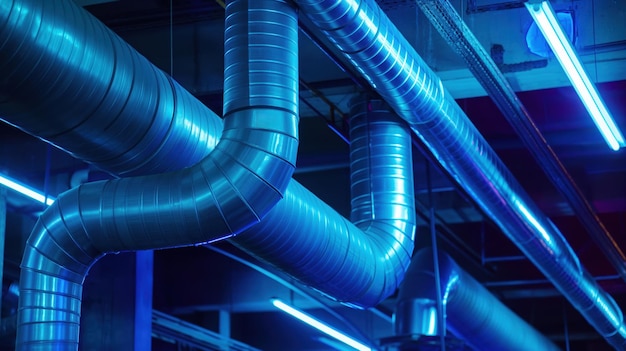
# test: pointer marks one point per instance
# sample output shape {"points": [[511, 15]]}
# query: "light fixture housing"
{"points": [[25, 190], [324, 328], [545, 18]]}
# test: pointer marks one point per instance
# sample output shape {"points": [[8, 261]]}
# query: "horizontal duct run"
{"points": [[362, 32], [450, 25]]}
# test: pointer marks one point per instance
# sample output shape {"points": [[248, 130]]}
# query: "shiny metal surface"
{"points": [[228, 191], [370, 41], [66, 77], [358, 263], [448, 22], [472, 312], [299, 206]]}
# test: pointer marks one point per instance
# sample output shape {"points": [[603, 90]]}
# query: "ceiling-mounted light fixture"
{"points": [[546, 20], [25, 190], [320, 326]]}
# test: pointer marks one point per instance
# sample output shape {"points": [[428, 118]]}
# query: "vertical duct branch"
{"points": [[472, 312], [228, 191], [359, 263], [370, 41]]}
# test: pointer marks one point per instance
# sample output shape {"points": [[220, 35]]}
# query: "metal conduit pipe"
{"points": [[66, 78], [228, 191], [358, 263], [370, 41], [471, 311], [444, 17]]}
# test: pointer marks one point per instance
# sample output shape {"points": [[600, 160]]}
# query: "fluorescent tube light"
{"points": [[320, 326], [545, 18], [25, 190]]}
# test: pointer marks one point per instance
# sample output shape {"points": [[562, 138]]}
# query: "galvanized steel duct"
{"points": [[472, 312], [228, 191], [388, 252], [370, 41], [66, 77], [359, 263]]}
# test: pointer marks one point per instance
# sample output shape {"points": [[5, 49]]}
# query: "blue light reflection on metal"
{"points": [[228, 191], [358, 263], [534, 222], [321, 326], [184, 145], [26, 190], [546, 20], [404, 81], [66, 78], [472, 312]]}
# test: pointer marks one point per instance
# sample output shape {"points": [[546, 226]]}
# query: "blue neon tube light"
{"points": [[320, 326], [545, 18], [25, 190]]}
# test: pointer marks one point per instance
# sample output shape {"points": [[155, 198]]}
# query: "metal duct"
{"points": [[444, 17], [359, 263], [228, 191], [59, 62], [388, 252], [370, 41], [472, 312]]}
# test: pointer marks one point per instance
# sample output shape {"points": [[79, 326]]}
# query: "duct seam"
{"points": [[472, 312]]}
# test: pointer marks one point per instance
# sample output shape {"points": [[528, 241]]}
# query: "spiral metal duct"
{"points": [[228, 191], [370, 41], [472, 312], [362, 262], [57, 60]]}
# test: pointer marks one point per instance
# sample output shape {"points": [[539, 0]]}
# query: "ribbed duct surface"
{"points": [[228, 191], [389, 253], [57, 60], [359, 263], [370, 41], [472, 312]]}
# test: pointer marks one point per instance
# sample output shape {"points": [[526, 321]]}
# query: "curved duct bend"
{"points": [[371, 42], [61, 63], [358, 263], [472, 312], [229, 190], [377, 259]]}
